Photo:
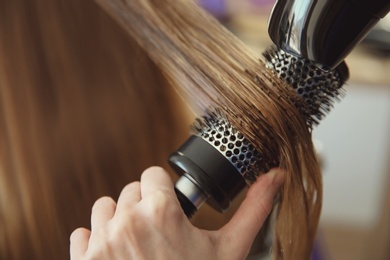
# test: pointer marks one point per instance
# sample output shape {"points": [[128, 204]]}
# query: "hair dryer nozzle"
{"points": [[323, 31]]}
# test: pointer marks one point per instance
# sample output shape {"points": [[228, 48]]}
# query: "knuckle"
{"points": [[154, 170], [126, 230], [131, 187], [132, 221], [79, 232], [158, 202], [103, 202], [161, 206]]}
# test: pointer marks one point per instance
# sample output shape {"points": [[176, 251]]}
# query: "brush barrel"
{"points": [[323, 31], [319, 86]]}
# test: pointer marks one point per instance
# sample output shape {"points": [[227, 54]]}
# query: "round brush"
{"points": [[312, 39], [218, 162]]}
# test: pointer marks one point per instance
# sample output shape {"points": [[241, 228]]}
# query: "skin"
{"points": [[148, 223]]}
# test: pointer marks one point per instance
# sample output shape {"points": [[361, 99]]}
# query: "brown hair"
{"points": [[83, 112], [85, 109]]}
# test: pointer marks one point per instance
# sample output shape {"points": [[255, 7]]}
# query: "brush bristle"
{"points": [[318, 86]]}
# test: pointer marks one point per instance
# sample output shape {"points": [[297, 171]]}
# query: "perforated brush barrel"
{"points": [[233, 146], [218, 162], [317, 84]]}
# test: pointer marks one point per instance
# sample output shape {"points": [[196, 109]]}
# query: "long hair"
{"points": [[83, 112], [87, 104]]}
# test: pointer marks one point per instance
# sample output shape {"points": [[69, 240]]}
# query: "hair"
{"points": [[89, 101]]}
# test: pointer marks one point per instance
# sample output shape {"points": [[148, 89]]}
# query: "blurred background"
{"points": [[353, 141]]}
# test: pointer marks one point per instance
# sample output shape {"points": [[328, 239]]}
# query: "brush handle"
{"points": [[206, 174]]}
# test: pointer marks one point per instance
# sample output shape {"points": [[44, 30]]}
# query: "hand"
{"points": [[147, 222]]}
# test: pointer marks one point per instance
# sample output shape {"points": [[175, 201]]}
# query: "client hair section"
{"points": [[83, 112]]}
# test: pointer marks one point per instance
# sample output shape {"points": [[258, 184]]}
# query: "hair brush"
{"points": [[311, 38], [217, 162]]}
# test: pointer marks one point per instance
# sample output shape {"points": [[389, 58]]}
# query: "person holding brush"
{"points": [[147, 222]]}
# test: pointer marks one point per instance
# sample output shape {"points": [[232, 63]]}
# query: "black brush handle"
{"points": [[206, 174]]}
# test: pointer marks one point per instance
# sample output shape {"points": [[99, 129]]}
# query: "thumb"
{"points": [[253, 211]]}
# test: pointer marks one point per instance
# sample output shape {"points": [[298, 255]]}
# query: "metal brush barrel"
{"points": [[317, 84]]}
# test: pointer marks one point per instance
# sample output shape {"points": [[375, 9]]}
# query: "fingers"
{"points": [[102, 211], [130, 195], [156, 178], [255, 208], [79, 243]]}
